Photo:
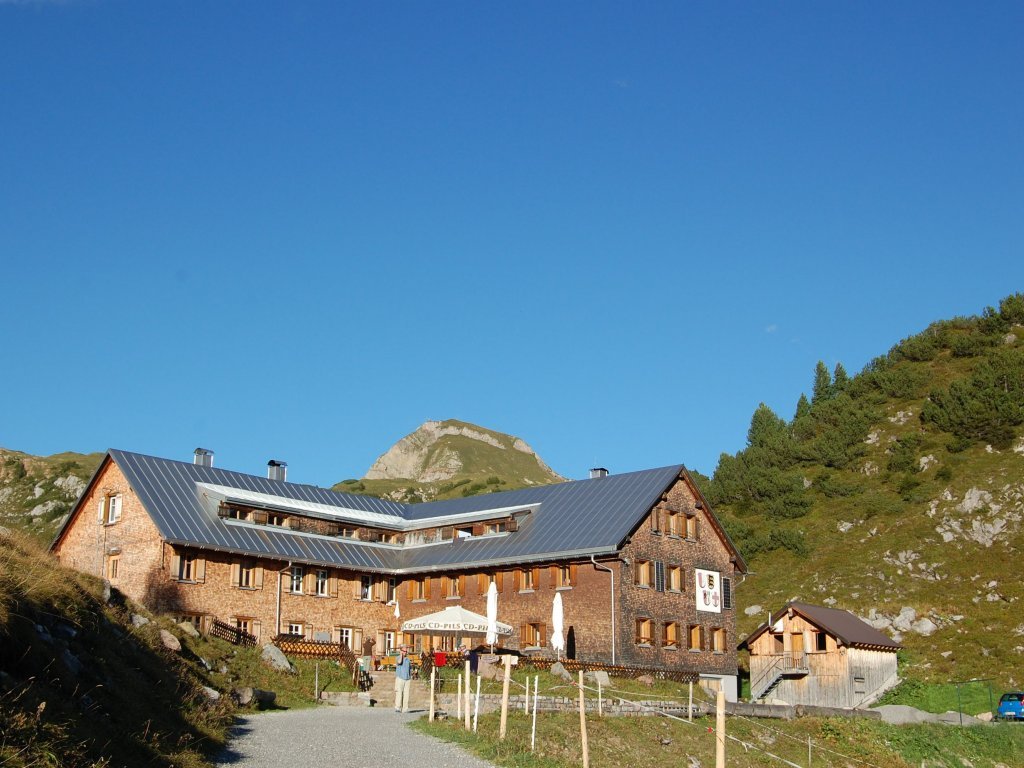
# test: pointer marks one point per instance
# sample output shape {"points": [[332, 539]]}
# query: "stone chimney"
{"points": [[202, 457], [277, 470], [598, 472]]}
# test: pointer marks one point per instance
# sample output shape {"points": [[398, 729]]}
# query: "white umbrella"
{"points": [[492, 615], [453, 620], [557, 641]]}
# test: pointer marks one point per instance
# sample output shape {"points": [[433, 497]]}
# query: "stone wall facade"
{"points": [[257, 593]]}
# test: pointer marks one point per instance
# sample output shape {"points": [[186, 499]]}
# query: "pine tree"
{"points": [[840, 379], [822, 384], [803, 407]]}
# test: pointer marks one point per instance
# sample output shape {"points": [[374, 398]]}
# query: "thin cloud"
{"points": [[621, 82], [771, 328]]}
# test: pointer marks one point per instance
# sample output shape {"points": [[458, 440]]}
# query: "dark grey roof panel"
{"points": [[593, 515]]}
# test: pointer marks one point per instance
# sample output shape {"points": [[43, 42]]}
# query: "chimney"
{"points": [[202, 457], [598, 472], [277, 470]]}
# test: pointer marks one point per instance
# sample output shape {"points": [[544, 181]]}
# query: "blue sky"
{"points": [[297, 230]]}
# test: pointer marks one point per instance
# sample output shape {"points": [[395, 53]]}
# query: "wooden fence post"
{"points": [[468, 673], [433, 671], [583, 726], [720, 730], [504, 698]]}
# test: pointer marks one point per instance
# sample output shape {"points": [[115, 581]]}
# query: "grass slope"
{"points": [[918, 518], [81, 685], [36, 492]]}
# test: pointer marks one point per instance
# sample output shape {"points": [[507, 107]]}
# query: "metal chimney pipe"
{"points": [[202, 457], [598, 472], [277, 470]]}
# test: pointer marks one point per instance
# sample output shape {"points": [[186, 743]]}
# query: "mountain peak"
{"points": [[442, 450]]}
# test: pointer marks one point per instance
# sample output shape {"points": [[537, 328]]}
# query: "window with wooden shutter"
{"points": [[517, 576], [691, 527], [426, 587], [670, 635], [655, 520], [258, 573], [236, 574], [175, 567], [644, 631], [694, 637], [482, 580], [411, 589], [200, 570], [462, 584], [659, 575], [535, 578]]}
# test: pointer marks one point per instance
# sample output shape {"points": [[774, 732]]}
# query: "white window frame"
{"points": [[323, 581], [187, 567], [297, 625], [366, 588], [298, 574]]}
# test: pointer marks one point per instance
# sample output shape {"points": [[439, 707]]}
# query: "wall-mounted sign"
{"points": [[709, 591]]}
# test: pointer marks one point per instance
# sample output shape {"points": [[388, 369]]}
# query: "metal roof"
{"points": [[853, 632], [577, 518]]}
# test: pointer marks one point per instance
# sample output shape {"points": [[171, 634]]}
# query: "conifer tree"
{"points": [[803, 407], [839, 379], [822, 384]]}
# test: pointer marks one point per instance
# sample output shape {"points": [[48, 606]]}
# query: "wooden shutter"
{"points": [[572, 575], [445, 588], [101, 511], [259, 517], [200, 566], [499, 580], [543, 634], [426, 587], [481, 583], [524, 635], [552, 576], [656, 520], [411, 589], [536, 578], [478, 529], [258, 576], [175, 567], [462, 584], [236, 574], [518, 577], [357, 588]]}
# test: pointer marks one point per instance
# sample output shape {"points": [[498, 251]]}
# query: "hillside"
{"points": [[897, 494], [36, 492], [444, 459]]}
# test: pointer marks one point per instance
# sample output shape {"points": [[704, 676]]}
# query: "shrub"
{"points": [[831, 487], [904, 454], [972, 345], [944, 473], [919, 349]]}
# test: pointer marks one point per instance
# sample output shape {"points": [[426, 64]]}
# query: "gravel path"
{"points": [[338, 736]]}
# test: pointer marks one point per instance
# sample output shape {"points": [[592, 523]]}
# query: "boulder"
{"points": [[559, 669], [752, 610], [138, 620], [242, 696], [645, 680], [275, 658], [170, 642], [906, 618], [72, 662], [211, 693], [924, 626], [188, 628]]}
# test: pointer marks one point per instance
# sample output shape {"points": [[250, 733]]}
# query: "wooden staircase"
{"points": [[783, 666]]}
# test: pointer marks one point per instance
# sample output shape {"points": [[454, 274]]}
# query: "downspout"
{"points": [[612, 573]]}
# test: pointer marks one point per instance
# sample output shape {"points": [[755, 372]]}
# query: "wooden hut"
{"points": [[808, 654]]}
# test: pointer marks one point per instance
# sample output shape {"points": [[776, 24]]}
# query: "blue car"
{"points": [[1011, 706]]}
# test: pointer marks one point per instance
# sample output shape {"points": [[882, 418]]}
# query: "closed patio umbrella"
{"points": [[557, 619]]}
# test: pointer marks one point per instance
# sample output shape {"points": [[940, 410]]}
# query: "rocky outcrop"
{"points": [[420, 457]]}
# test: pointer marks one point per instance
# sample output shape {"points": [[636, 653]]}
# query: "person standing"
{"points": [[403, 672], [368, 664]]}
